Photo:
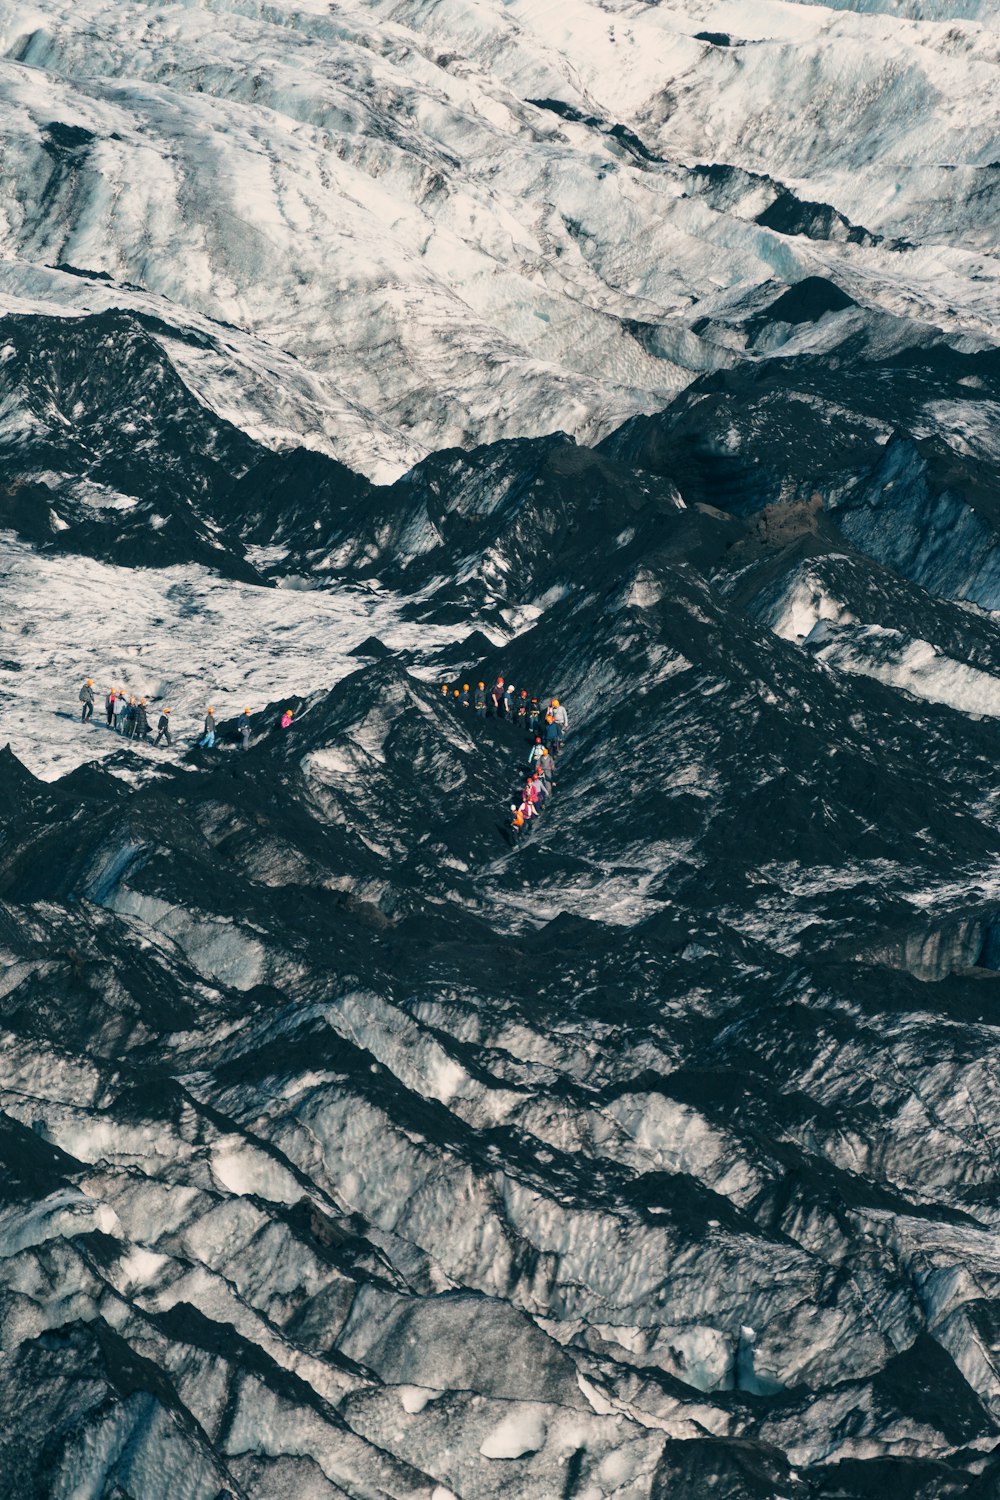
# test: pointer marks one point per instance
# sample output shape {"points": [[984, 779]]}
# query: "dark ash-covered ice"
{"points": [[347, 1151]]}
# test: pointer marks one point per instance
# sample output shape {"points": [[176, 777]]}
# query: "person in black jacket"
{"points": [[87, 699], [140, 729], [163, 728]]}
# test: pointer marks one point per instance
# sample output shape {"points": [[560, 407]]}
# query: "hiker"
{"points": [[508, 700], [87, 699], [516, 823], [163, 728], [529, 813], [130, 719], [534, 717], [553, 742], [286, 717], [244, 730], [542, 790], [496, 697], [109, 706], [481, 700], [536, 752], [522, 707], [465, 700], [207, 740], [140, 730], [561, 717], [444, 691], [121, 703]]}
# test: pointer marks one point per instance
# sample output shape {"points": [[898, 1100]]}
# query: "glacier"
{"points": [[389, 228], [646, 354]]}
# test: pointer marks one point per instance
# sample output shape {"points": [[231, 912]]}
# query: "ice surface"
{"points": [[180, 637], [521, 1432], [406, 225], [345, 1147]]}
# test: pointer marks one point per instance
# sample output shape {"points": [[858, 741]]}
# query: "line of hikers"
{"points": [[546, 724], [127, 715]]}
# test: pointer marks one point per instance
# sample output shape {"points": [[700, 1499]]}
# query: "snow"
{"points": [[913, 666], [805, 611], [58, 1215], [521, 1432], [800, 607], [414, 1398], [383, 246], [215, 947], [244, 1169], [181, 637], [140, 1266]]}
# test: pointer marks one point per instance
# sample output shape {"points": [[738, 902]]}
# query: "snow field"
{"points": [[180, 637], [391, 249]]}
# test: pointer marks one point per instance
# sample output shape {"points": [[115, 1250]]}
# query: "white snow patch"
{"points": [[178, 636], [246, 1171], [415, 1397], [521, 1432]]}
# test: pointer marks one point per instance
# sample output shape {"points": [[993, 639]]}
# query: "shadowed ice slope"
{"points": [[349, 1151]]}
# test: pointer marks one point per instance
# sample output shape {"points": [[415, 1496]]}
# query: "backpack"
{"points": [[83, 695]]}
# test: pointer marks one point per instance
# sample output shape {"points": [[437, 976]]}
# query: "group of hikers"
{"points": [[545, 723], [128, 716]]}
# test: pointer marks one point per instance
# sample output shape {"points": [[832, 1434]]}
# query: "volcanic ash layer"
{"points": [[349, 1152]]}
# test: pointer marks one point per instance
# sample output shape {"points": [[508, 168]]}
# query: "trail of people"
{"points": [[544, 723]]}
